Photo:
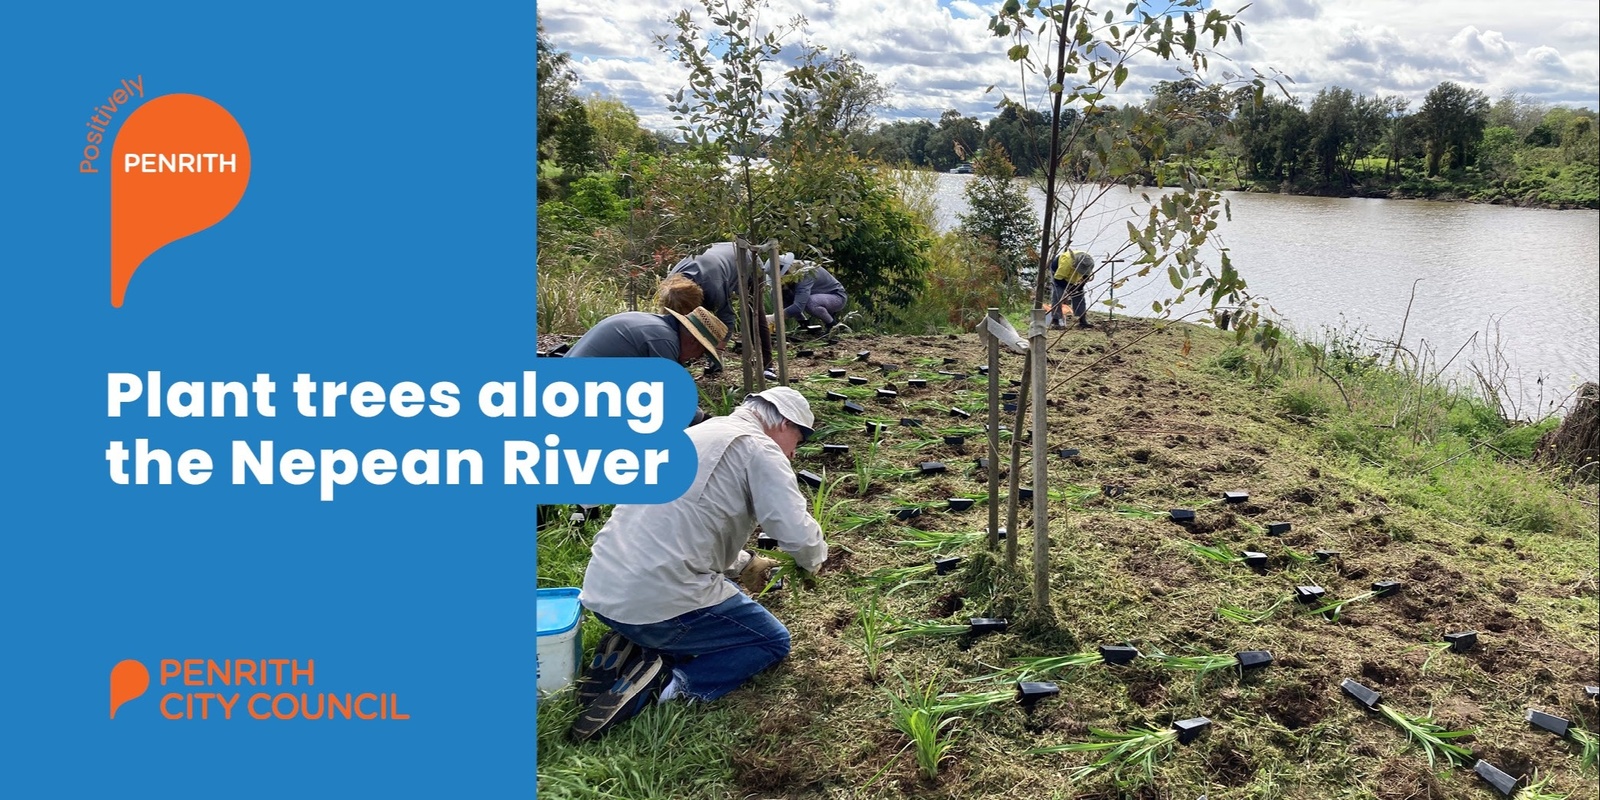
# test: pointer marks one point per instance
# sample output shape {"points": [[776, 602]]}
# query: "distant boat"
{"points": [[964, 168]]}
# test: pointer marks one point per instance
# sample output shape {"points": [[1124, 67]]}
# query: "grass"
{"points": [[1435, 740], [1506, 542]]}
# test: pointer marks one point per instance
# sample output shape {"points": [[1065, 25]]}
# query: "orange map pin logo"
{"points": [[129, 679], [179, 166]]}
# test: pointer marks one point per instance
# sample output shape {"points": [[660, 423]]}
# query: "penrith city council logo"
{"points": [[179, 165], [261, 689]]}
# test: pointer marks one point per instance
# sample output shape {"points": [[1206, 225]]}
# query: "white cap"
{"points": [[792, 405], [785, 261]]}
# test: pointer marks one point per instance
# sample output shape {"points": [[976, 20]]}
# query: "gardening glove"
{"points": [[755, 574]]}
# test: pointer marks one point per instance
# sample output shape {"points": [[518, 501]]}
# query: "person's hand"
{"points": [[757, 573]]}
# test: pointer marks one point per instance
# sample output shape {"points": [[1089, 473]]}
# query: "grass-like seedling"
{"points": [[1040, 666], [1538, 789], [1334, 608], [929, 732], [900, 577], [871, 618], [1201, 665], [1124, 754], [1220, 555], [1589, 747], [1436, 740], [938, 541], [926, 629], [1235, 613], [953, 702]]}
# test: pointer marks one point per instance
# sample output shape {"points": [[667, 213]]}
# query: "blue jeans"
{"points": [[714, 650]]}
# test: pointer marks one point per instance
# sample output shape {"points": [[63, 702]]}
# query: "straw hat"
{"points": [[706, 329]]}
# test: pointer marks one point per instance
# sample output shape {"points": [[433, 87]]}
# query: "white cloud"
{"points": [[940, 55]]}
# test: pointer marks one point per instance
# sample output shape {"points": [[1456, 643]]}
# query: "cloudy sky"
{"points": [[939, 54]]}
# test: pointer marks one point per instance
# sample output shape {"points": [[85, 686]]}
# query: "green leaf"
{"points": [[1172, 275], [1120, 75]]}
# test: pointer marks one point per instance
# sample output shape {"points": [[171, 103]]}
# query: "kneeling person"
{"points": [[661, 575]]}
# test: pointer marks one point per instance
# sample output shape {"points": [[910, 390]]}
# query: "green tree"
{"points": [[955, 140], [1000, 215], [1451, 121], [1331, 123], [616, 128]]}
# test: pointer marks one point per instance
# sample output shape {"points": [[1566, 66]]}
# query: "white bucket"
{"points": [[560, 646]]}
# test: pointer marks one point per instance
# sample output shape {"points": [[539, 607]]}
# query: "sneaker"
{"points": [[1085, 324], [614, 656], [628, 696], [769, 374]]}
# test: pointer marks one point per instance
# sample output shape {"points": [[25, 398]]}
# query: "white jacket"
{"points": [[651, 563]]}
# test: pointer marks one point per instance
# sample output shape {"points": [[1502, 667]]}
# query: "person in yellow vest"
{"points": [[1074, 269]]}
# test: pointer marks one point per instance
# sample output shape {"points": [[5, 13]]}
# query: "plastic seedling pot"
{"points": [[862, 356], [947, 565], [1024, 494], [987, 625], [1008, 395], [1327, 555], [1255, 560], [1593, 692], [835, 449], [887, 394], [1029, 693], [907, 513], [838, 373], [1009, 408], [851, 407], [809, 478], [1366, 696], [960, 413], [907, 422], [857, 380], [981, 463], [949, 360], [577, 518], [1188, 729], [1070, 452], [960, 503], [1182, 514], [765, 542], [1387, 588], [832, 395], [1001, 533], [1496, 777], [815, 328], [955, 441], [875, 428], [1547, 722], [1016, 382], [1253, 659], [805, 353], [1309, 594], [1461, 642], [1117, 654], [983, 369], [931, 467], [1112, 490], [1277, 528], [1235, 497], [917, 383]]}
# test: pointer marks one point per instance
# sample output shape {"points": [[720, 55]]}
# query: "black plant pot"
{"points": [[765, 542], [1000, 533], [979, 625], [838, 373], [949, 360], [1070, 452], [1009, 408], [1254, 560], [862, 356], [1253, 659], [1387, 588], [887, 394], [1235, 497], [1367, 697], [1277, 528], [931, 467], [908, 513], [1024, 494], [1029, 693], [917, 383], [1547, 722], [1112, 490], [1309, 594], [875, 428], [983, 369], [852, 407], [835, 449], [805, 353], [907, 422], [1008, 395], [1593, 692], [1117, 654], [1327, 555], [1188, 729], [981, 463], [1496, 777], [888, 368], [960, 413], [815, 329], [809, 478], [857, 380], [1016, 382], [955, 441], [947, 565], [1461, 642], [960, 503], [561, 351], [832, 395], [1181, 515]]}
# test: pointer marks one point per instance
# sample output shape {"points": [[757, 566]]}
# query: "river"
{"points": [[1525, 281]]}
